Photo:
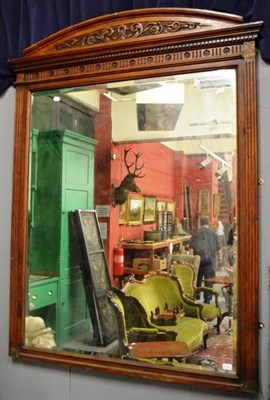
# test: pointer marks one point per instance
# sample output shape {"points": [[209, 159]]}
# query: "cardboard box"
{"points": [[141, 263], [160, 264]]}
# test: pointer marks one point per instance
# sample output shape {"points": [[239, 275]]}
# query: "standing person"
{"points": [[206, 244], [220, 231], [232, 243]]}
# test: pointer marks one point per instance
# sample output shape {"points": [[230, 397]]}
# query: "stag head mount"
{"points": [[121, 192]]}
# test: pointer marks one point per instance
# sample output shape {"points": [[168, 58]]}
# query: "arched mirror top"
{"points": [[139, 25], [139, 32], [132, 93]]}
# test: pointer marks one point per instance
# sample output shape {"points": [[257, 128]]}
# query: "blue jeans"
{"points": [[207, 269]]}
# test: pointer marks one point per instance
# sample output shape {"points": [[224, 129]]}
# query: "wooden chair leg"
{"points": [[205, 341], [219, 319]]}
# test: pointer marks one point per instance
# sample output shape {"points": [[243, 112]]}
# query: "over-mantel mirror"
{"points": [[130, 128]]}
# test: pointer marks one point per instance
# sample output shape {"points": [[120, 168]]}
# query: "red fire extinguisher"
{"points": [[118, 261]]}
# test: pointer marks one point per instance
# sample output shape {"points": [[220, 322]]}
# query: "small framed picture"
{"points": [[123, 213], [149, 214], [204, 202], [135, 210], [161, 205], [217, 204], [170, 206]]}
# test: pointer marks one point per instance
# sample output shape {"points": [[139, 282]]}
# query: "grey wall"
{"points": [[33, 381]]}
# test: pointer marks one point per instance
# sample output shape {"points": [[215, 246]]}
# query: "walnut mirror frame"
{"points": [[144, 44]]}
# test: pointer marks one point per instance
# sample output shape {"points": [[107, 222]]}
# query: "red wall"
{"points": [[159, 180], [165, 173], [200, 179]]}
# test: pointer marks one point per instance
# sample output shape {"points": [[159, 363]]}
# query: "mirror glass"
{"points": [[176, 138]]}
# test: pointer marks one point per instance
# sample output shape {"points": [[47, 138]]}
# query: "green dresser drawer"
{"points": [[42, 293]]}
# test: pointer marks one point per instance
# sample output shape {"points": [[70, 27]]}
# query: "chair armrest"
{"points": [[191, 308], [139, 330], [209, 290]]}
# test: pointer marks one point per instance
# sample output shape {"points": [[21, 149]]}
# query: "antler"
{"points": [[125, 159], [136, 169]]}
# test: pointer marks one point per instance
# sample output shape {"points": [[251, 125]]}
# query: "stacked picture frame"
{"points": [[88, 248]]}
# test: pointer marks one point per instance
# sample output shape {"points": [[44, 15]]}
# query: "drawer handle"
{"points": [[50, 292], [34, 296]]}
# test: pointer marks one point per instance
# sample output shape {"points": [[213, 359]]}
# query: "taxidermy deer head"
{"points": [[120, 193]]}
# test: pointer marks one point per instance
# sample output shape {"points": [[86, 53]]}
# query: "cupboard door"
{"points": [[77, 192], [73, 314]]}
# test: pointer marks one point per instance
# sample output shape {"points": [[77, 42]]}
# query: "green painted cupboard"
{"points": [[64, 181]]}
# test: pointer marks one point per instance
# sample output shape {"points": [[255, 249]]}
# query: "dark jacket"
{"points": [[205, 243]]}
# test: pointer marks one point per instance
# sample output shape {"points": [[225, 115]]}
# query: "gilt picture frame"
{"points": [[149, 214], [204, 202], [123, 213], [161, 205], [135, 210], [170, 206], [216, 204]]}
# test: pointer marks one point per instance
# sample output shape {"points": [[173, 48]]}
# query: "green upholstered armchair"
{"points": [[162, 292], [178, 258], [136, 323], [186, 276]]}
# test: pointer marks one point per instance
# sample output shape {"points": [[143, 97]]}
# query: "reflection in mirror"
{"points": [[131, 278]]}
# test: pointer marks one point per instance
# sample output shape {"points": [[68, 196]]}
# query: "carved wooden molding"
{"points": [[227, 42], [90, 66], [133, 59], [128, 31]]}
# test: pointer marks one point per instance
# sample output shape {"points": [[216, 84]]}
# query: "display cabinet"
{"points": [[65, 113], [43, 301], [64, 185]]}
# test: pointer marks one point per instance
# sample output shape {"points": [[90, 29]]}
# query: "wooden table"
{"points": [[221, 280], [150, 248], [227, 282], [166, 349]]}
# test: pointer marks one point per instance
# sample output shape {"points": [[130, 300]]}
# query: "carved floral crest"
{"points": [[128, 31]]}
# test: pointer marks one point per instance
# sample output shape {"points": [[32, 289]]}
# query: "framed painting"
{"points": [[123, 213], [100, 278], [216, 204], [204, 202], [161, 205], [90, 231], [170, 206], [95, 275], [135, 210], [149, 214]]}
